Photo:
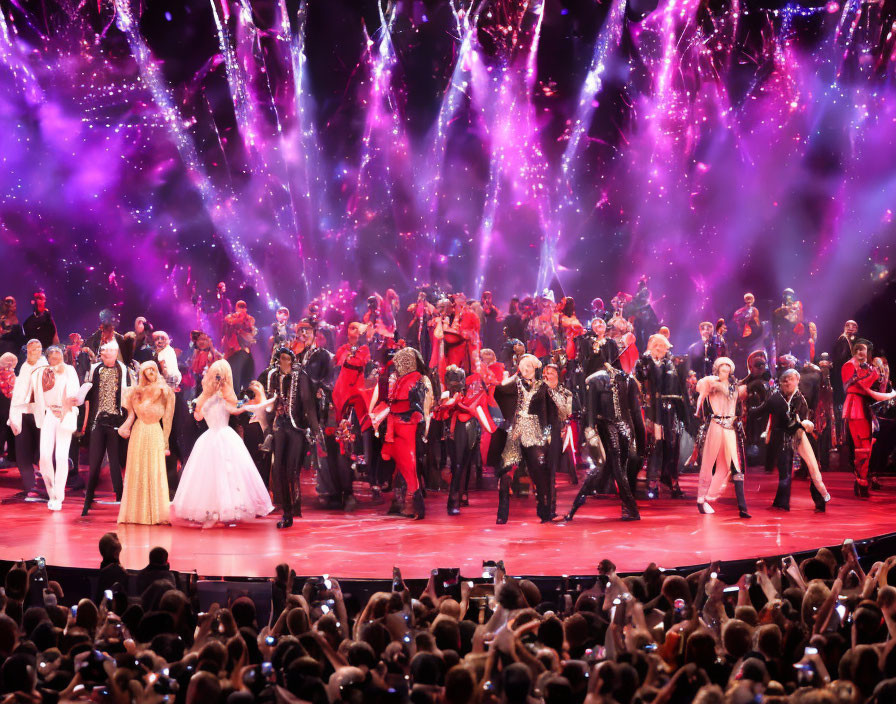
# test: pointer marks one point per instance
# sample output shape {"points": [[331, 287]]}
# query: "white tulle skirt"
{"points": [[220, 481]]}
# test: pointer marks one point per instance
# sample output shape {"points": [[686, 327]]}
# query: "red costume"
{"points": [[407, 394], [857, 380], [349, 388], [239, 332], [459, 345]]}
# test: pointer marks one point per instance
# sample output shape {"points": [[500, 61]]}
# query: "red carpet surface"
{"points": [[367, 543]]}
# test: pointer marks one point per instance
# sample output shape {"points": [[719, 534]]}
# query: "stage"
{"points": [[367, 543]]}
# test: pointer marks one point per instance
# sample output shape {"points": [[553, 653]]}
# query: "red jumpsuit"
{"points": [[406, 394], [349, 387], [857, 413]]}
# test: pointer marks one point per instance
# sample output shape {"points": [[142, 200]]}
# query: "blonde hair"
{"points": [[219, 369], [144, 386]]}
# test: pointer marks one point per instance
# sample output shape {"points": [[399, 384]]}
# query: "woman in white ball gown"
{"points": [[220, 483]]}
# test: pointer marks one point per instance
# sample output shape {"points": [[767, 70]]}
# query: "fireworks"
{"points": [[299, 146]]}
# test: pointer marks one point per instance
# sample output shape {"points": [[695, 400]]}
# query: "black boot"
{"points": [[577, 503], [741, 499], [419, 505], [285, 522], [677, 493], [503, 500], [453, 505], [397, 506]]}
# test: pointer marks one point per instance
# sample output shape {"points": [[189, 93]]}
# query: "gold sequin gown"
{"points": [[145, 497]]}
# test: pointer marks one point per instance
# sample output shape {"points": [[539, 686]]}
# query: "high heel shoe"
{"points": [[705, 508], [744, 514]]}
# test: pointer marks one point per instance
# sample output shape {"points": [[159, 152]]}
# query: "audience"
{"points": [[818, 631]]}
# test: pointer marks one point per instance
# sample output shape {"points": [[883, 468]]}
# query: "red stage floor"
{"points": [[367, 543]]}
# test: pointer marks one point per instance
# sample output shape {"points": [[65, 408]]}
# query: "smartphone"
{"points": [[326, 581], [489, 567], [108, 594], [270, 640], [41, 563], [75, 611], [396, 579], [731, 590], [267, 669], [811, 651]]}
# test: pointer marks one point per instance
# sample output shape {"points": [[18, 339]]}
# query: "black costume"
{"points": [[785, 423], [614, 432], [295, 422], [107, 414], [663, 385], [529, 411]]}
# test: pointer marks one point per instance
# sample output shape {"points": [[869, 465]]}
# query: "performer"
{"points": [[747, 329], [8, 362], [790, 331], [723, 437], [22, 421], [788, 413], [614, 432], [561, 451], [281, 336], [542, 330], [183, 430], [595, 349], [859, 378], [12, 337], [39, 325], [457, 336], [759, 386], [295, 423], [204, 355], [529, 410], [419, 333], [492, 325], [463, 409], [351, 359], [105, 413], [840, 355], [56, 414], [238, 338], [703, 354], [145, 496], [220, 483], [665, 407], [409, 403], [105, 333]]}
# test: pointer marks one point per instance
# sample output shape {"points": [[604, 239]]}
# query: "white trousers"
{"points": [[55, 441]]}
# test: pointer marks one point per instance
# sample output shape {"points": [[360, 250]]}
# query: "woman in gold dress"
{"points": [[145, 496]]}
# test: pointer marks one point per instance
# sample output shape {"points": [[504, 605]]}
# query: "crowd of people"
{"points": [[819, 630], [423, 398]]}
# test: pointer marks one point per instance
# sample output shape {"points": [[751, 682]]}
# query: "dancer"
{"points": [[22, 421], [39, 325], [220, 483], [409, 403], [722, 437], [665, 410], [145, 497], [788, 411], [105, 413], [464, 411], [56, 414], [859, 378], [295, 423], [529, 410], [613, 431], [703, 353]]}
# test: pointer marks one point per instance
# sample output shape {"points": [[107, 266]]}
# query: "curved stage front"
{"points": [[367, 543]]}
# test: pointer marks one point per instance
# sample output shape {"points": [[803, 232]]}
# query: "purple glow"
{"points": [[712, 151]]}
